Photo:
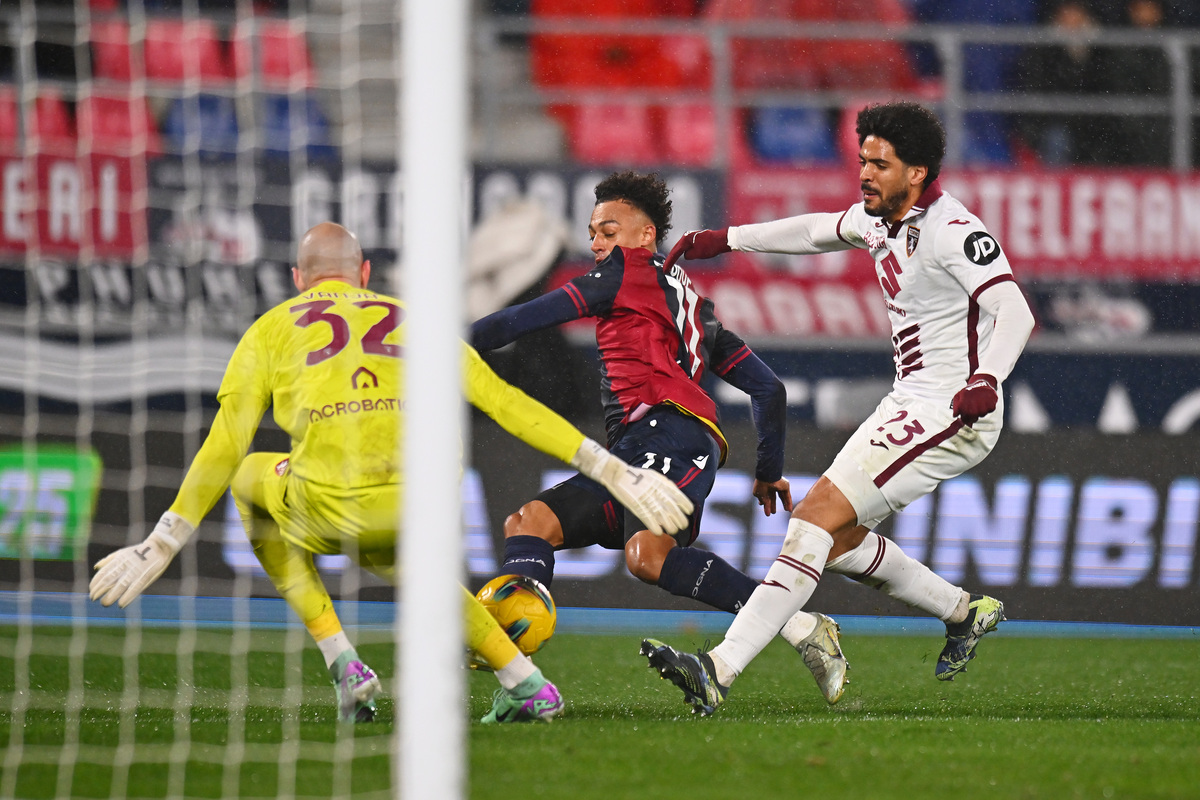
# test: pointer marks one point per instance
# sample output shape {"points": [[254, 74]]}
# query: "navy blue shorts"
{"points": [[673, 443]]}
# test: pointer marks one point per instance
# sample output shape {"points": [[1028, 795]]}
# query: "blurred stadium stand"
{"points": [[723, 82], [728, 93]]}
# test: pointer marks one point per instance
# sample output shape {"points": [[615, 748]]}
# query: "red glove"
{"points": [[699, 244], [977, 399]]}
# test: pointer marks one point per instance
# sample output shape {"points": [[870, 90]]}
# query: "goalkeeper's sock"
{"points": [[530, 556], [704, 576], [512, 674], [333, 646], [490, 642]]}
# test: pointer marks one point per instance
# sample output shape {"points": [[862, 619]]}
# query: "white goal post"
{"points": [[433, 111]]}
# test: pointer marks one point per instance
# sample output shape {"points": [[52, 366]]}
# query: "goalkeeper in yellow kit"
{"points": [[331, 362]]}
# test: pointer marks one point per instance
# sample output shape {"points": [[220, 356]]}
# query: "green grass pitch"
{"points": [[1031, 718]]}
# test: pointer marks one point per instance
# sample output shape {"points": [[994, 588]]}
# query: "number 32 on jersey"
{"points": [[372, 341]]}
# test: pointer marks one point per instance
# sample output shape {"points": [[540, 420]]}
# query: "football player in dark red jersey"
{"points": [[657, 338]]}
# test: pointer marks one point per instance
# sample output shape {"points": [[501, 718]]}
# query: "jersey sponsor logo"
{"points": [[914, 233], [700, 462], [367, 375], [354, 407], [981, 248], [874, 240]]}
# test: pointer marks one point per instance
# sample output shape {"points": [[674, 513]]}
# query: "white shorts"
{"points": [[903, 451]]}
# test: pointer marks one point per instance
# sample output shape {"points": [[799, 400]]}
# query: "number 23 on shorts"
{"points": [[900, 431]]}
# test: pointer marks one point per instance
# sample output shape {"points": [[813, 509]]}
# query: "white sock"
{"points": [[789, 584], [880, 563], [515, 671], [333, 646], [798, 628]]}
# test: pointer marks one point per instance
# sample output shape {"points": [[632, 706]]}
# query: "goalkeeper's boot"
{"points": [[983, 615], [822, 654], [534, 699], [357, 686], [694, 674]]}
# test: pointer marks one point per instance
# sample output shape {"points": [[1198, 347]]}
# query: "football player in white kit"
{"points": [[959, 323]]}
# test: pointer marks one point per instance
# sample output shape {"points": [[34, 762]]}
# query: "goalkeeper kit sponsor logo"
{"points": [[354, 407]]}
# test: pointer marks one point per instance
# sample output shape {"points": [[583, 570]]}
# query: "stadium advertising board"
{"points": [[1103, 253], [46, 499], [1074, 526], [1056, 225], [66, 205], [1069, 525]]}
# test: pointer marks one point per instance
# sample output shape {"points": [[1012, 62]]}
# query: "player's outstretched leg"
{"points": [[694, 674], [983, 615], [357, 687], [822, 654], [534, 699]]}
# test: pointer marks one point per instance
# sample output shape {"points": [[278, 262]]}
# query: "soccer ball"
{"points": [[523, 608]]}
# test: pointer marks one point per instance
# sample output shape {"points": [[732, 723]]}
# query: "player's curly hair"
{"points": [[647, 193], [912, 129]]}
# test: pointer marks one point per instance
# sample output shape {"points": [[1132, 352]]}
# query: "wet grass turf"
{"points": [[1030, 718]]}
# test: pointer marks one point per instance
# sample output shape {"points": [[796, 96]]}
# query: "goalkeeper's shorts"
{"points": [[325, 519]]}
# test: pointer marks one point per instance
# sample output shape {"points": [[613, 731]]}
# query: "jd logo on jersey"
{"points": [[981, 248]]}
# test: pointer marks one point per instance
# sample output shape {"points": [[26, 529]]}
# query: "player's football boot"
{"points": [[983, 615], [694, 674], [357, 686], [822, 654], [534, 699]]}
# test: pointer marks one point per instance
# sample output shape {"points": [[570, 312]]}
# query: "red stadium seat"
{"points": [[766, 63], [111, 53], [10, 129], [179, 49], [689, 134], [278, 49], [53, 127], [118, 125], [613, 133], [613, 60]]}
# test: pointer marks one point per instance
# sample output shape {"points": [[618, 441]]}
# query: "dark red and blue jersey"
{"points": [[657, 338]]}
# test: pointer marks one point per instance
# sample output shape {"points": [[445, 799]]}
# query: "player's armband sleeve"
{"points": [[517, 412], [509, 324], [219, 457], [735, 363], [806, 234]]}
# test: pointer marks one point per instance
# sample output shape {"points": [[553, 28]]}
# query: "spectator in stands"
{"points": [[1141, 72], [986, 67], [1074, 68], [877, 67]]}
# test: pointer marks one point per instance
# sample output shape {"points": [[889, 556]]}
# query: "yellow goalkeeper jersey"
{"points": [[331, 362]]}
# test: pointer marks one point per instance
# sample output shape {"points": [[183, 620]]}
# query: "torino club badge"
{"points": [[914, 233]]}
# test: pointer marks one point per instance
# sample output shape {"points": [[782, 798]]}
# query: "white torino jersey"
{"points": [[932, 266]]}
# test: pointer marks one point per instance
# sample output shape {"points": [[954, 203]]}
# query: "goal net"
{"points": [[159, 158]]}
